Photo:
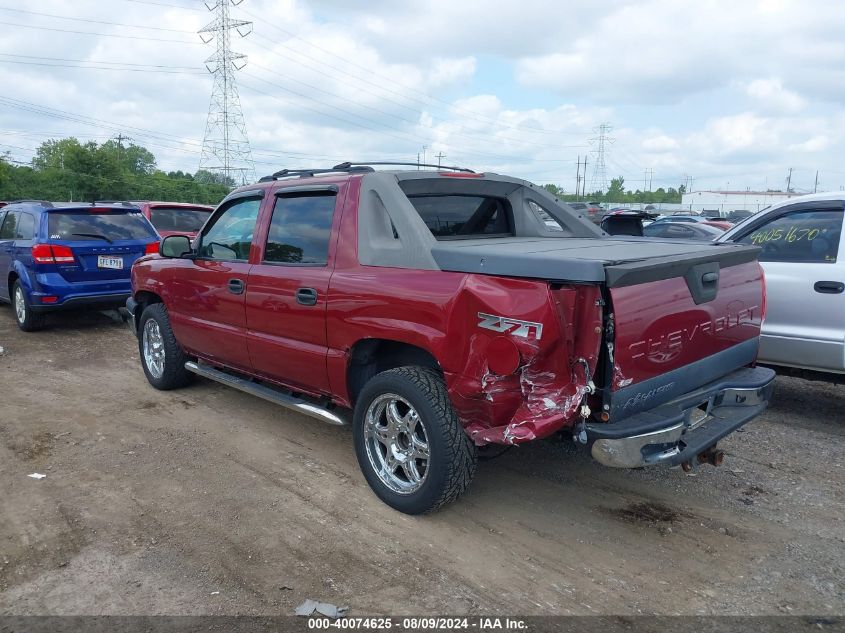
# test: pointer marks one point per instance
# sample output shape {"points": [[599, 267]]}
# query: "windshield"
{"points": [[82, 225], [179, 219]]}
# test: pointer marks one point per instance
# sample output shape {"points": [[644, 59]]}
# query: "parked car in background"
{"points": [[682, 231], [445, 313], [738, 215], [3, 204], [591, 210], [176, 218], [804, 260], [722, 225], [72, 255]]}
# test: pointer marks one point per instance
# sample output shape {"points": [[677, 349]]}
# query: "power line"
{"points": [[385, 82], [125, 37], [96, 61], [83, 67], [91, 21], [164, 4]]}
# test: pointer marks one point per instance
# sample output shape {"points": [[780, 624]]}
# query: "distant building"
{"points": [[726, 201]]}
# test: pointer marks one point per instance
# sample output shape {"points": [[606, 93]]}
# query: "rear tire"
{"points": [[27, 320], [409, 441], [162, 358]]}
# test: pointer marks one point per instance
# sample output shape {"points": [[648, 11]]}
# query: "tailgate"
{"points": [[99, 261], [680, 323]]}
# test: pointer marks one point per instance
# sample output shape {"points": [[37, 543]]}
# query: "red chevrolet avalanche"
{"points": [[444, 311]]}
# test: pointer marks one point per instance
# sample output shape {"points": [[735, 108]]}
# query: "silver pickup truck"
{"points": [[804, 261]]}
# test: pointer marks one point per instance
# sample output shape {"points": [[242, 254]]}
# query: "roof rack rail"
{"points": [[307, 173], [44, 203], [355, 167], [349, 165]]}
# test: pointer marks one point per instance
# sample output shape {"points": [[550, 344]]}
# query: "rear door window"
{"points": [[455, 217], [804, 235], [109, 226], [300, 229], [26, 227]]}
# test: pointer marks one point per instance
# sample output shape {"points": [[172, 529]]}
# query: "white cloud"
{"points": [[771, 94]]}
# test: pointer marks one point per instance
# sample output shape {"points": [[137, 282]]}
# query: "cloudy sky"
{"points": [[731, 93]]}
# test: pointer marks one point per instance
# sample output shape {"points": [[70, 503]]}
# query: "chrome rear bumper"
{"points": [[678, 431]]}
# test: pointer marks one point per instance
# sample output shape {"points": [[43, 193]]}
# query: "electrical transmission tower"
{"points": [[225, 148], [600, 143]]}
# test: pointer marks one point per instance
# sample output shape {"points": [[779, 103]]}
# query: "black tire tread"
{"points": [[460, 454], [33, 321], [175, 375]]}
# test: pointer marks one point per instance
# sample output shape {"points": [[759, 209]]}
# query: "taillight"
{"points": [[52, 254], [152, 248], [63, 254], [42, 254], [765, 301]]}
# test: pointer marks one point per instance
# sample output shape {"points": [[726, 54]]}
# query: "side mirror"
{"points": [[175, 246]]}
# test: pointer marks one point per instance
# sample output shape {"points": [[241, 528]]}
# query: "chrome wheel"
{"points": [[397, 444], [20, 305], [153, 345]]}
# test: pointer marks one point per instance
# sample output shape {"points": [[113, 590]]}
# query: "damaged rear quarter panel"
{"points": [[546, 392]]}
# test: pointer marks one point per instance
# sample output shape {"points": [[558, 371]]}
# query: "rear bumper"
{"points": [[678, 431], [94, 302]]}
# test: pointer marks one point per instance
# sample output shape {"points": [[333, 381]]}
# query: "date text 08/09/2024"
{"points": [[420, 623]]}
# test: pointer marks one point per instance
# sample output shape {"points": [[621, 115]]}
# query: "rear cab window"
{"points": [[464, 216], [110, 225], [178, 219], [805, 235]]}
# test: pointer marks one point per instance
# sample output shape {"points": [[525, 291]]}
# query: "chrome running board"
{"points": [[267, 393]]}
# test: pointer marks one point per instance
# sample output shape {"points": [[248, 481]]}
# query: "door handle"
{"points": [[236, 286], [829, 287], [306, 296]]}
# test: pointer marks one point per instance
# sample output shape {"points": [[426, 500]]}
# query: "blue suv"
{"points": [[57, 256]]}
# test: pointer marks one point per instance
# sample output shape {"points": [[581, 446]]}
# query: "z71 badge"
{"points": [[514, 327]]}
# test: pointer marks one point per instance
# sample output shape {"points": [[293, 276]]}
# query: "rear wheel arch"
{"points": [[368, 357], [13, 277]]}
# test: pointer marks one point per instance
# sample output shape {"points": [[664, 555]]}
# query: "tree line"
{"points": [[68, 170], [617, 193]]}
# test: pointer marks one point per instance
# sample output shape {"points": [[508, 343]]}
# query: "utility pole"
{"points": [[440, 157], [816, 186], [424, 147], [584, 180], [789, 181], [225, 147], [578, 179], [649, 173], [120, 138], [600, 143]]}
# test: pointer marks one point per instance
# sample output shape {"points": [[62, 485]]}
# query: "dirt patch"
{"points": [[30, 448], [647, 512]]}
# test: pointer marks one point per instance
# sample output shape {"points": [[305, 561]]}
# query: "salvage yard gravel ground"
{"points": [[209, 501]]}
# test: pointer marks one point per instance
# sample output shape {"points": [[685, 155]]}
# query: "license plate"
{"points": [[105, 261]]}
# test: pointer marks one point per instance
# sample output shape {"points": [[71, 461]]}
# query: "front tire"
{"points": [[27, 320], [161, 355], [409, 441]]}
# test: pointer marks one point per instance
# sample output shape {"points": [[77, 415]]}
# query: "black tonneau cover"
{"points": [[616, 262]]}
